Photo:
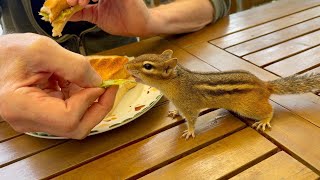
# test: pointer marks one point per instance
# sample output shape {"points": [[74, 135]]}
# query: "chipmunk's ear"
{"points": [[167, 54], [169, 66]]}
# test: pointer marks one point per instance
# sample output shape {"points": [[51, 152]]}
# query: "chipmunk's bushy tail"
{"points": [[296, 84]]}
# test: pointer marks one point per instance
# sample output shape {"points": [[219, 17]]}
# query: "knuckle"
{"points": [[83, 66], [11, 48], [41, 43]]}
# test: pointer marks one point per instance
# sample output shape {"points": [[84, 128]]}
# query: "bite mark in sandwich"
{"points": [[58, 13], [112, 71]]}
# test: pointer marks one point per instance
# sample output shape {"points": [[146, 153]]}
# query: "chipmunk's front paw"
{"points": [[187, 133], [174, 114], [260, 125]]}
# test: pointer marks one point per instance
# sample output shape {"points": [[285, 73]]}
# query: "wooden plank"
{"points": [[6, 132], [266, 28], [278, 166], [296, 135], [23, 146], [315, 70], [158, 45], [224, 61], [74, 153], [296, 64], [306, 106], [275, 38], [285, 49], [219, 159], [244, 20], [150, 153]]}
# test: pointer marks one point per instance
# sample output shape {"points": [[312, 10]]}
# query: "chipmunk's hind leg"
{"points": [[261, 111], [263, 123]]}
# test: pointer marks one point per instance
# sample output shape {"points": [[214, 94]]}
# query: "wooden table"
{"points": [[277, 39]]}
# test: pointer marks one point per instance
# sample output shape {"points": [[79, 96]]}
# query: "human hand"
{"points": [[120, 17], [46, 88]]}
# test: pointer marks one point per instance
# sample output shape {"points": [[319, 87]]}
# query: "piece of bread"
{"points": [[112, 67], [58, 13]]}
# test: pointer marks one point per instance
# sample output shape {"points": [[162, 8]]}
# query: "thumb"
{"points": [[88, 13]]}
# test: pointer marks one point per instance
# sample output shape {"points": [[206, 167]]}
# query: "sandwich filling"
{"points": [[59, 23]]}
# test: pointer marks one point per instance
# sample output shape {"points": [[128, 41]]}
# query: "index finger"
{"points": [[68, 65]]}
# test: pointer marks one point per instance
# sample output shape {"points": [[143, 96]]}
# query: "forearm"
{"points": [[180, 17]]}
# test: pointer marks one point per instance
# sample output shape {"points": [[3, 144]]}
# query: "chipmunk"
{"points": [[238, 91]]}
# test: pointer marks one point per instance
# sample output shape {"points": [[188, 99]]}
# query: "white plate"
{"points": [[134, 103]]}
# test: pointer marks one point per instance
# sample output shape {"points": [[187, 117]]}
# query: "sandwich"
{"points": [[58, 13], [112, 71]]}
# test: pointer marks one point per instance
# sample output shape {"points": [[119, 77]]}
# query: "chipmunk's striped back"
{"points": [[222, 83]]}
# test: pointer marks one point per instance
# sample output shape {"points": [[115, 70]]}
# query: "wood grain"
{"points": [[6, 132], [297, 63], [285, 49], [219, 159], [315, 70], [278, 166], [158, 45], [74, 153], [23, 146], [158, 150], [266, 28], [296, 135], [243, 20], [275, 38], [224, 61]]}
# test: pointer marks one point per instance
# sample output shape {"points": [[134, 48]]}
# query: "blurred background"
{"points": [[237, 5]]}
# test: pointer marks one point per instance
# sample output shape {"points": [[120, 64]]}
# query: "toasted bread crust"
{"points": [[110, 67], [54, 8]]}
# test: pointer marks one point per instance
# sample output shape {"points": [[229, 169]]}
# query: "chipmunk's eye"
{"points": [[148, 66]]}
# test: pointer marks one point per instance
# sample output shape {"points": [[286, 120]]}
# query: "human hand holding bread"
{"points": [[56, 92], [133, 17], [115, 17]]}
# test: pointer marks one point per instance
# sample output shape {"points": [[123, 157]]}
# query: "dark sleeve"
{"points": [[0, 9], [221, 8]]}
